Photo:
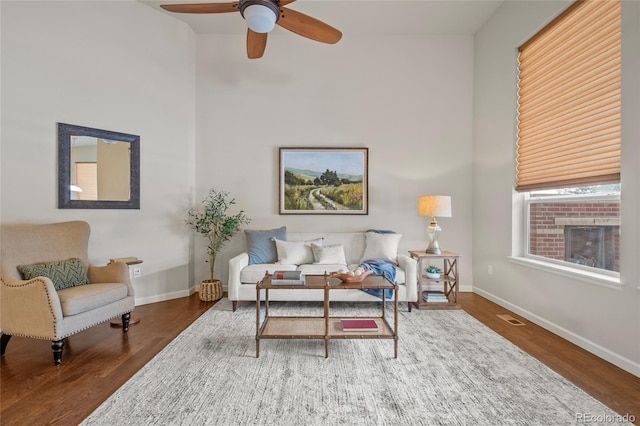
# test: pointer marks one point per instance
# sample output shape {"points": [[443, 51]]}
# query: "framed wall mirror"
{"points": [[97, 169]]}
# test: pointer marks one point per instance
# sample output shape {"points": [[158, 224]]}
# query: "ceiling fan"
{"points": [[261, 17]]}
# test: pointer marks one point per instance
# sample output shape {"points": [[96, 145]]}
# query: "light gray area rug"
{"points": [[450, 370]]}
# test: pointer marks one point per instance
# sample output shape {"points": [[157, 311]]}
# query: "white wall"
{"points": [[407, 98], [125, 67], [604, 320], [119, 66]]}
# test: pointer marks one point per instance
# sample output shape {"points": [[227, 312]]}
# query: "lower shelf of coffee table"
{"points": [[293, 328], [313, 328]]}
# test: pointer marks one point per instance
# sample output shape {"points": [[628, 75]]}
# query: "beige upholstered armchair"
{"points": [[32, 306]]}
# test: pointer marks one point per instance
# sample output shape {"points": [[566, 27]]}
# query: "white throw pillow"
{"points": [[295, 252], [329, 255], [381, 246]]}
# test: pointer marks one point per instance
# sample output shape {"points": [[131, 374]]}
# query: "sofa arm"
{"points": [[236, 264], [115, 272], [30, 308], [410, 268]]}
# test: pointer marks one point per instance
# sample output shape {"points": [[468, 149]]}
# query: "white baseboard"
{"points": [[164, 296], [586, 344]]}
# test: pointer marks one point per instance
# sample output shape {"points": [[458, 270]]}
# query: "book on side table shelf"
{"points": [[363, 324], [287, 278], [434, 296]]}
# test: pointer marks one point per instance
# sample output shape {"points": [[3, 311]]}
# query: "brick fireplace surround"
{"points": [[579, 232]]}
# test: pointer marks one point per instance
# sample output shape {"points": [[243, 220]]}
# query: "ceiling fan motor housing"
{"points": [[260, 19]]}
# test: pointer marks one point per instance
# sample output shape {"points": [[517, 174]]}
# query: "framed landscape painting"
{"points": [[324, 180]]}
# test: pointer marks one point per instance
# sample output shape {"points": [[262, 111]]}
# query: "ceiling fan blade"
{"points": [[308, 27], [256, 43], [201, 7]]}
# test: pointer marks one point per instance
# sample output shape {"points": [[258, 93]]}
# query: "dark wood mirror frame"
{"points": [[65, 132]]}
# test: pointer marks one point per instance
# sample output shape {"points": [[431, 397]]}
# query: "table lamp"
{"points": [[434, 205]]}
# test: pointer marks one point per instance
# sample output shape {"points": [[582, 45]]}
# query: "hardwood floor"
{"points": [[98, 361], [611, 385], [95, 363]]}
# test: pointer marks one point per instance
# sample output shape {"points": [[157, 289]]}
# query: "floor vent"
{"points": [[511, 320]]}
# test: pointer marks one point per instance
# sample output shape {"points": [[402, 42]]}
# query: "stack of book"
{"points": [[434, 296], [287, 278]]}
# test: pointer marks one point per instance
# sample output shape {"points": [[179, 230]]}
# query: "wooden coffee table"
{"points": [[324, 327]]}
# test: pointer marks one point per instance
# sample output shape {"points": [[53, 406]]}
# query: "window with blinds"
{"points": [[87, 180], [570, 100]]}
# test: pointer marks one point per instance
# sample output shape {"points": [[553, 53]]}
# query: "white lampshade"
{"points": [[434, 206], [260, 19]]}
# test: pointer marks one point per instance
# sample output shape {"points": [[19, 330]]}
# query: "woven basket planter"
{"points": [[210, 291]]}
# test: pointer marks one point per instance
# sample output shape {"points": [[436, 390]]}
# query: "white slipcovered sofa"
{"points": [[246, 269]]}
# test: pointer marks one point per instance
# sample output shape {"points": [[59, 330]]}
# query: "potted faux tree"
{"points": [[213, 222]]}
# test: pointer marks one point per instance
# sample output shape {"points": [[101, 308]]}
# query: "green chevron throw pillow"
{"points": [[63, 273]]}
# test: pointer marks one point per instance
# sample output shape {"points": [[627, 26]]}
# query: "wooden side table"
{"points": [[449, 279], [130, 261]]}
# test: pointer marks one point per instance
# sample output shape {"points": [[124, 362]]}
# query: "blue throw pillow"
{"points": [[261, 246], [381, 231]]}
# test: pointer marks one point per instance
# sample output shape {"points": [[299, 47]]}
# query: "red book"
{"points": [[359, 325], [287, 275]]}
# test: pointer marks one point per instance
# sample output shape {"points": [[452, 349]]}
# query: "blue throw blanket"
{"points": [[380, 267]]}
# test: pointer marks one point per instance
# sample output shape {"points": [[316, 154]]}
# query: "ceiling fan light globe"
{"points": [[260, 19]]}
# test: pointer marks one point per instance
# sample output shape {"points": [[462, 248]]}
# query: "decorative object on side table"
{"points": [[214, 223], [433, 272], [434, 205]]}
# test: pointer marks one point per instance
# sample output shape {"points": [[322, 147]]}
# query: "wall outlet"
{"points": [[137, 271], [490, 269]]}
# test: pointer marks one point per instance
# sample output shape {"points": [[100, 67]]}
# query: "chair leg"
{"points": [[4, 340], [57, 346], [125, 321], [234, 304]]}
